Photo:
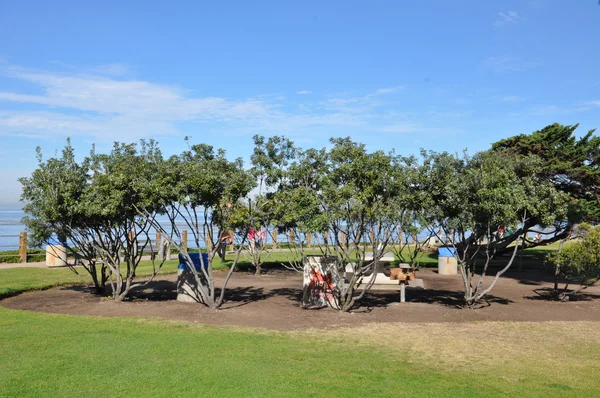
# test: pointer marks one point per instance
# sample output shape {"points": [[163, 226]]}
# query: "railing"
{"points": [[23, 253]]}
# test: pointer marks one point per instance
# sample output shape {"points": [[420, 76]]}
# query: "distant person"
{"points": [[224, 241], [261, 237], [500, 233], [538, 238], [252, 238]]}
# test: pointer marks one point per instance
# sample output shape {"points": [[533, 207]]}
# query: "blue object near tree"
{"points": [[195, 259], [446, 252]]}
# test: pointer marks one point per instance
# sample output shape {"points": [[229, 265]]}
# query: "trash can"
{"points": [[447, 264], [56, 254], [187, 288]]}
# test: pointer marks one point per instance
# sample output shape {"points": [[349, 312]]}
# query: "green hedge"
{"points": [[12, 256]]}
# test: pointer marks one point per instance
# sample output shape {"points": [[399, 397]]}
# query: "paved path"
{"points": [[41, 264]]}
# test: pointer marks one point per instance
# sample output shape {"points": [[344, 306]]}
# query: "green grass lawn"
{"points": [[58, 355]]}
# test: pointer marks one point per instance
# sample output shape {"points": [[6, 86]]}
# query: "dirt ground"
{"points": [[273, 301]]}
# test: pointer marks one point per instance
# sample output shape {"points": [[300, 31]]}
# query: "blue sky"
{"points": [[443, 75]]}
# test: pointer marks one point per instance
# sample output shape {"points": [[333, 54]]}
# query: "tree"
{"points": [[297, 211], [570, 164], [199, 190], [121, 181], [270, 159], [91, 208], [473, 197], [577, 263], [354, 191], [408, 203], [52, 198]]}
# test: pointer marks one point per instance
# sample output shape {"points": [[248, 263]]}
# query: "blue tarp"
{"points": [[446, 252], [195, 259]]}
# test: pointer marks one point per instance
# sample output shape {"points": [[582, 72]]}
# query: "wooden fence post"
{"points": [[184, 240], [274, 239], [23, 247], [308, 239]]}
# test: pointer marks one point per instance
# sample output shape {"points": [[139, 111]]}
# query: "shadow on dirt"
{"points": [[548, 294]]}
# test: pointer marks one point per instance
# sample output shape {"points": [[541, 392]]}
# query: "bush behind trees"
{"points": [[577, 264]]}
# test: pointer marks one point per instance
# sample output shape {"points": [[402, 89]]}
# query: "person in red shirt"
{"points": [[252, 238]]}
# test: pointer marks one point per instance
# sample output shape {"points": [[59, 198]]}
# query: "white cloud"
{"points": [[507, 63], [401, 128], [581, 106], [110, 108], [512, 98], [107, 108], [505, 18], [385, 91], [304, 92], [595, 103]]}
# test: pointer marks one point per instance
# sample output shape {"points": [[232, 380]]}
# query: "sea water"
{"points": [[10, 227]]}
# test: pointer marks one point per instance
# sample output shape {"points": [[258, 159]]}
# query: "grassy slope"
{"points": [[42, 354]]}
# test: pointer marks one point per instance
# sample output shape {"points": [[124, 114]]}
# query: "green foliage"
{"points": [[270, 159], [52, 196], [490, 190], [475, 196], [92, 206], [581, 259], [569, 163]]}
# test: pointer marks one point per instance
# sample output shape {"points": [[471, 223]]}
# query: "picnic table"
{"points": [[400, 275]]}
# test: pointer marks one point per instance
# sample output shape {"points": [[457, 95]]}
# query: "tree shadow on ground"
{"points": [[240, 296], [448, 298], [547, 294], [531, 277]]}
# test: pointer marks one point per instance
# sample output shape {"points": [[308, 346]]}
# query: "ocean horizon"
{"points": [[11, 226]]}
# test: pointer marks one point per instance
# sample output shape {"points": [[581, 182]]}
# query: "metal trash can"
{"points": [[447, 264], [187, 288], [56, 254]]}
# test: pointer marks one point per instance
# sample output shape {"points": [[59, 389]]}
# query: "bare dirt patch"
{"points": [[272, 301]]}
